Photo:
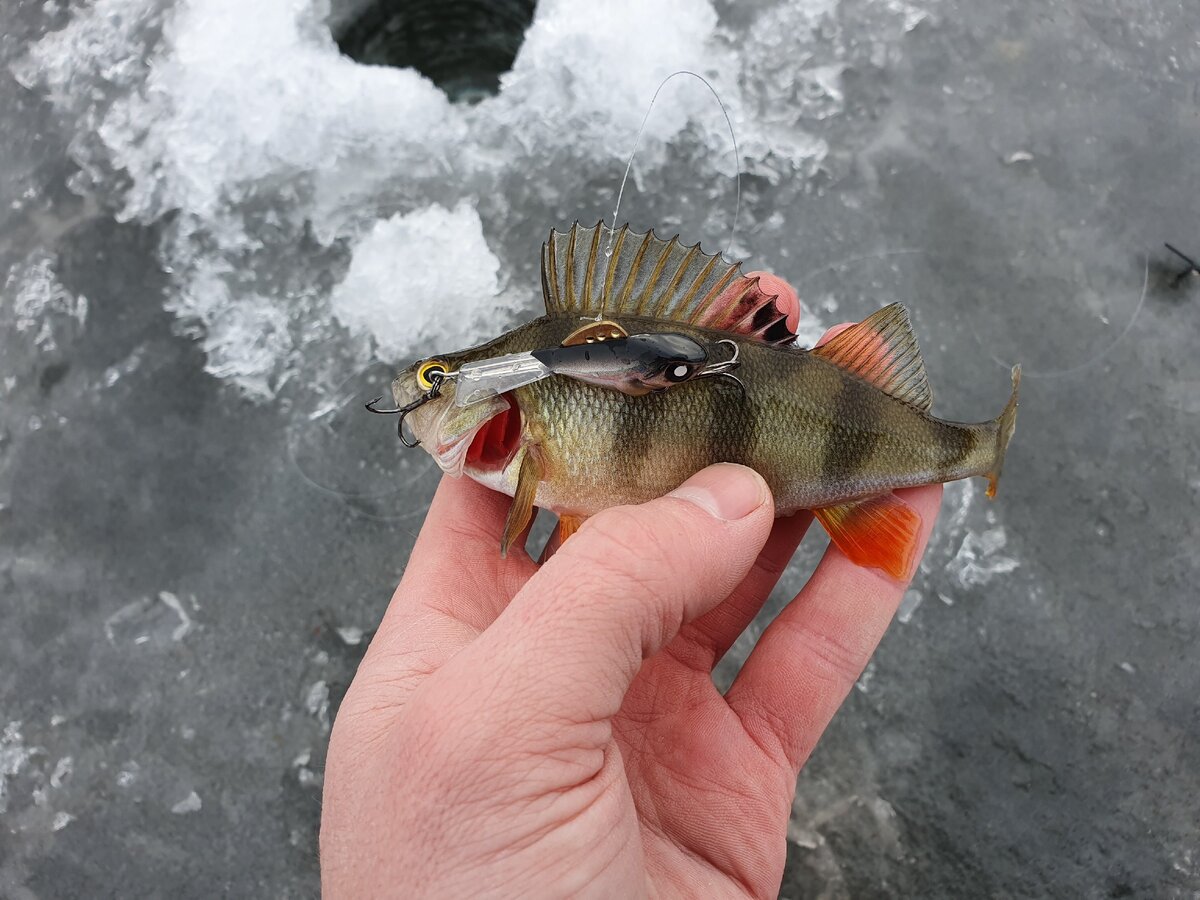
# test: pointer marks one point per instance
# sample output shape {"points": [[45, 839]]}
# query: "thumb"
{"points": [[574, 637]]}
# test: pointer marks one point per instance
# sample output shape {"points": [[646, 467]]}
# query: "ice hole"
{"points": [[462, 46]]}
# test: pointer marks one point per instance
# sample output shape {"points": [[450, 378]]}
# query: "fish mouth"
{"points": [[487, 447], [497, 440]]}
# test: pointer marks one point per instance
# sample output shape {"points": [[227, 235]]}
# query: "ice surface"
{"points": [[14, 755], [41, 306], [278, 167]]}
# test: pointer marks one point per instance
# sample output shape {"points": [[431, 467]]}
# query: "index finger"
{"points": [[455, 568], [810, 656]]}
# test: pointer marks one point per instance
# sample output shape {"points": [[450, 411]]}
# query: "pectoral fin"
{"points": [[521, 511], [879, 532]]}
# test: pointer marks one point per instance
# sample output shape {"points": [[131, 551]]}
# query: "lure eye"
{"points": [[678, 372], [428, 373]]}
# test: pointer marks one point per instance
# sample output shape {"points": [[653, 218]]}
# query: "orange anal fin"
{"points": [[879, 532], [567, 526]]}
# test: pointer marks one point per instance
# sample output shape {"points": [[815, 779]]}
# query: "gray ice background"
{"points": [[218, 238]]}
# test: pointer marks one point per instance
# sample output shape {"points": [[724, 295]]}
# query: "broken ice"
{"points": [[158, 622], [338, 210]]}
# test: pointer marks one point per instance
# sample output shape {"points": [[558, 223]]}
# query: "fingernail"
{"points": [[727, 491]]}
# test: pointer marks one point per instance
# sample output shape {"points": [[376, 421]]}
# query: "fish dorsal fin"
{"points": [[882, 350], [647, 276]]}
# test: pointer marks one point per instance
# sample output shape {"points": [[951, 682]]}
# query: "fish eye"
{"points": [[430, 372], [678, 372]]}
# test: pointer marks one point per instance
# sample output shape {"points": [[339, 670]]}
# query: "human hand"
{"points": [[555, 731]]}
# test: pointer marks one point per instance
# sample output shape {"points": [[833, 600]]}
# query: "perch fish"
{"points": [[712, 375]]}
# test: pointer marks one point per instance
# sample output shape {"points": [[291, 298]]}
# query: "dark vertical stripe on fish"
{"points": [[633, 435], [848, 448], [957, 444]]}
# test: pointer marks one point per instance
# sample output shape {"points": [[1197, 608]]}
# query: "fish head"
{"points": [[484, 434]]}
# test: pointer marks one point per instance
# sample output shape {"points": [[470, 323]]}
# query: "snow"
{"points": [[310, 206], [406, 293], [41, 306]]}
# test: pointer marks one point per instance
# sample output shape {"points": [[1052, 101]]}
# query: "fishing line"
{"points": [[1025, 373], [737, 163], [1095, 358], [344, 398]]}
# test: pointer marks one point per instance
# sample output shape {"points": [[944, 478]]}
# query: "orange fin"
{"points": [[568, 525], [593, 332], [521, 511], [879, 532], [882, 350], [645, 276]]}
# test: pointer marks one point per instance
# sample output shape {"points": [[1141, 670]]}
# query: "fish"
{"points": [[834, 429]]}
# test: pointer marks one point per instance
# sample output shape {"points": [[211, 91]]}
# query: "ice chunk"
{"points": [[588, 70], [978, 559], [41, 306], [422, 283], [316, 701], [149, 621], [189, 804]]}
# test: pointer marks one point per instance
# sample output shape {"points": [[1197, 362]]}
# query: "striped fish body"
{"points": [[834, 429], [819, 435]]}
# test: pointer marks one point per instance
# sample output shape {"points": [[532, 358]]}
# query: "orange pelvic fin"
{"points": [[521, 512], [568, 525], [882, 350], [879, 532]]}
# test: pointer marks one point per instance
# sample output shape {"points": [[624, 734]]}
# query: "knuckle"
{"points": [[832, 659]]}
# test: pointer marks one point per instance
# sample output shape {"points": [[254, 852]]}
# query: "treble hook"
{"points": [[432, 394], [725, 369]]}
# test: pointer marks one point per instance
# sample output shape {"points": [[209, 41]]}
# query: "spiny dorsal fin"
{"points": [[647, 276], [882, 350]]}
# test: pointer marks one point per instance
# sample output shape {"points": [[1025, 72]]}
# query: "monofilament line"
{"points": [[737, 163]]}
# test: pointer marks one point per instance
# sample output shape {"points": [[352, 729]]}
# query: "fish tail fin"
{"points": [[1006, 424]]}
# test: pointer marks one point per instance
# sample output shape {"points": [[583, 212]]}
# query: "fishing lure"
{"points": [[635, 365], [833, 429]]}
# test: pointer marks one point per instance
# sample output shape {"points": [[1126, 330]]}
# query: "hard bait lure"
{"points": [[642, 406]]}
